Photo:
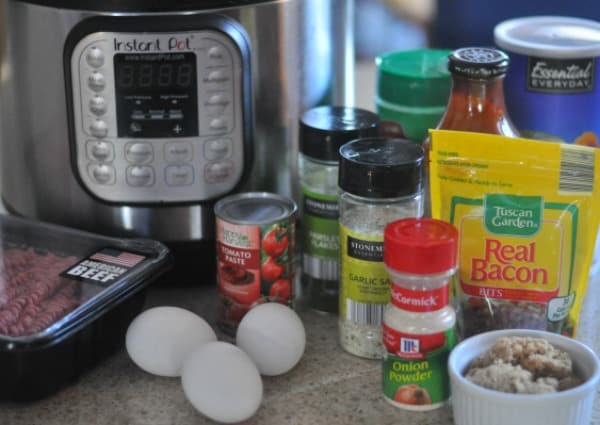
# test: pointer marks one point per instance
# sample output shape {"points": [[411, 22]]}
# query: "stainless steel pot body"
{"points": [[300, 56]]}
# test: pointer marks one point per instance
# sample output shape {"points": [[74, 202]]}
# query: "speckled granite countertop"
{"points": [[328, 386]]}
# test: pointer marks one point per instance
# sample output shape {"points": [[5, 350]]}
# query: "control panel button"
{"points": [[216, 104], [217, 76], [175, 114], [139, 153], [179, 175], [215, 53], [178, 152], [138, 115], [95, 57], [99, 129], [102, 173], [140, 175], [98, 105], [217, 149], [218, 124], [96, 81], [218, 172], [100, 150]]}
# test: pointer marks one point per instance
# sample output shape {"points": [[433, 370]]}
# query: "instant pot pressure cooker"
{"points": [[133, 117]]}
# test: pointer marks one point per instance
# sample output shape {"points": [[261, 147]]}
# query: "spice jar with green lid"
{"points": [[323, 130], [381, 181]]}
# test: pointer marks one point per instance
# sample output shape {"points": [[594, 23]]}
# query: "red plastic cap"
{"points": [[420, 245]]}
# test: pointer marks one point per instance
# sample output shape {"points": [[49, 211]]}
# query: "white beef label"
{"points": [[104, 267], [560, 75]]}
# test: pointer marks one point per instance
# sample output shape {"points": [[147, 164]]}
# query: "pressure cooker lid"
{"points": [[142, 5]]}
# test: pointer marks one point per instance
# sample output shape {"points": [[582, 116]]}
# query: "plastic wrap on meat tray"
{"points": [[66, 299]]}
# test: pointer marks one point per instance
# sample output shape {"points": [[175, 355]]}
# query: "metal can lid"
{"points": [[255, 208], [557, 37]]}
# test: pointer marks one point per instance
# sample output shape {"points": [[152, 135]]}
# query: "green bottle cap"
{"points": [[414, 78]]}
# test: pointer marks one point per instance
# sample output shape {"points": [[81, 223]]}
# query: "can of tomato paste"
{"points": [[255, 253], [551, 88]]}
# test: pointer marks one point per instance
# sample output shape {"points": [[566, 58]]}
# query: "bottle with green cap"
{"points": [[322, 131], [412, 89]]}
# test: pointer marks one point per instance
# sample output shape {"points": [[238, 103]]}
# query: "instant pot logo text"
{"points": [[560, 76], [172, 44]]}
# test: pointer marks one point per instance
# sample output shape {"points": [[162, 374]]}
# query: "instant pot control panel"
{"points": [[160, 116]]}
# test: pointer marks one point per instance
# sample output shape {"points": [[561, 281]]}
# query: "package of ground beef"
{"points": [[66, 298], [527, 214]]}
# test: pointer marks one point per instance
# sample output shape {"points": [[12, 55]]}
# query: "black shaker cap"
{"points": [[380, 167], [325, 128], [478, 62]]}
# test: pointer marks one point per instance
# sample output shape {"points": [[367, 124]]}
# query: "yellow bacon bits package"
{"points": [[527, 214]]}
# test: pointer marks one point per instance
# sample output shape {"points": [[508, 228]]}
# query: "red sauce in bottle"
{"points": [[477, 97]]}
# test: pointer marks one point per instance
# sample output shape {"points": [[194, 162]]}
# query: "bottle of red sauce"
{"points": [[477, 97]]}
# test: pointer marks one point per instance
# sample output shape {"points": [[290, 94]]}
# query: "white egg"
{"points": [[273, 336], [159, 339], [222, 383]]}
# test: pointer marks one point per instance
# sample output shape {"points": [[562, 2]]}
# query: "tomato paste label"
{"points": [[320, 236], [104, 267], [238, 261], [254, 265], [420, 301], [414, 368], [364, 282]]}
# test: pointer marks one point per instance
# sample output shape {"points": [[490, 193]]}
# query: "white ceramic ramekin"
{"points": [[475, 405]]}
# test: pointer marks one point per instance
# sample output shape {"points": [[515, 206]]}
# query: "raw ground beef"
{"points": [[32, 294]]}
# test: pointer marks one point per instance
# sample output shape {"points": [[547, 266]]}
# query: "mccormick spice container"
{"points": [[255, 253], [552, 88], [322, 131], [418, 324], [381, 181]]}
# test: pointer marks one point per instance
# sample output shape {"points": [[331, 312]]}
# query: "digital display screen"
{"points": [[156, 94]]}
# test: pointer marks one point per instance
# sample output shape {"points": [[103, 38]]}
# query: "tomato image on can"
{"points": [[255, 253]]}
